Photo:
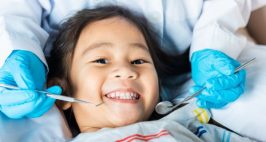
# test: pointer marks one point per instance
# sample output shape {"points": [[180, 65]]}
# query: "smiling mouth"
{"points": [[121, 95]]}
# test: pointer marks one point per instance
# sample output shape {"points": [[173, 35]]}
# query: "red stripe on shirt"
{"points": [[143, 137]]}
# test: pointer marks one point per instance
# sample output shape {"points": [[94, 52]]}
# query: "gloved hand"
{"points": [[215, 71], [25, 70], [26, 103]]}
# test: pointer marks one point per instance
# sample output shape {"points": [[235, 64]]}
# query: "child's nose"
{"points": [[124, 73]]}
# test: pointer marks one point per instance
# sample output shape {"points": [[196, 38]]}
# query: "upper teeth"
{"points": [[123, 95]]}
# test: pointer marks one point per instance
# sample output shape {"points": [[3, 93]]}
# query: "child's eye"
{"points": [[101, 61], [138, 61]]}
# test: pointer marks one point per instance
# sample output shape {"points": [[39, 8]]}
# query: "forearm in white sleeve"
{"points": [[20, 28], [218, 25]]}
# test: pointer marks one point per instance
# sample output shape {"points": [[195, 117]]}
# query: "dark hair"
{"points": [[64, 46]]}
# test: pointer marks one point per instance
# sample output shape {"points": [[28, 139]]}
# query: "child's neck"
{"points": [[89, 129]]}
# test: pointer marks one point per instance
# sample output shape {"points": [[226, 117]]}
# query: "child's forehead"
{"points": [[108, 46], [110, 33]]}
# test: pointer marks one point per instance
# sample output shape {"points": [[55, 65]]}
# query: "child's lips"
{"points": [[124, 96]]}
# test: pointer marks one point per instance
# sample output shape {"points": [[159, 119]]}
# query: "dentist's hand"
{"points": [[215, 71], [26, 103], [25, 70]]}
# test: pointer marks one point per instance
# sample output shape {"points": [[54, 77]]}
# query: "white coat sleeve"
{"points": [[20, 28], [218, 25]]}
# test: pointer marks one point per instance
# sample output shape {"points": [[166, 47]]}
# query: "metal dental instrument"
{"points": [[51, 95], [166, 107]]}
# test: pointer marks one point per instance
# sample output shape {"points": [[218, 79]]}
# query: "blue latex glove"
{"points": [[25, 70], [215, 71]]}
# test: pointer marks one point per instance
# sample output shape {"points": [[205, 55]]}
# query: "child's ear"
{"points": [[64, 105], [56, 81]]}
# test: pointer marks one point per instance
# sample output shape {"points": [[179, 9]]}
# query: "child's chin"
{"points": [[125, 123], [127, 120]]}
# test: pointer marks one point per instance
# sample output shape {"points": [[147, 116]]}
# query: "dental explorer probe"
{"points": [[51, 95], [166, 107]]}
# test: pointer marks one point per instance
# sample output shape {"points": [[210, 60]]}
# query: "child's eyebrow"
{"points": [[139, 45], [109, 44], [97, 45]]}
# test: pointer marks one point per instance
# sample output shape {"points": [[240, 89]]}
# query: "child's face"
{"points": [[112, 64]]}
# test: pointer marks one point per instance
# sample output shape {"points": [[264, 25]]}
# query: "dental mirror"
{"points": [[166, 107]]}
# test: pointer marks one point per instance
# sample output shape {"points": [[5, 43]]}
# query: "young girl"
{"points": [[109, 55]]}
